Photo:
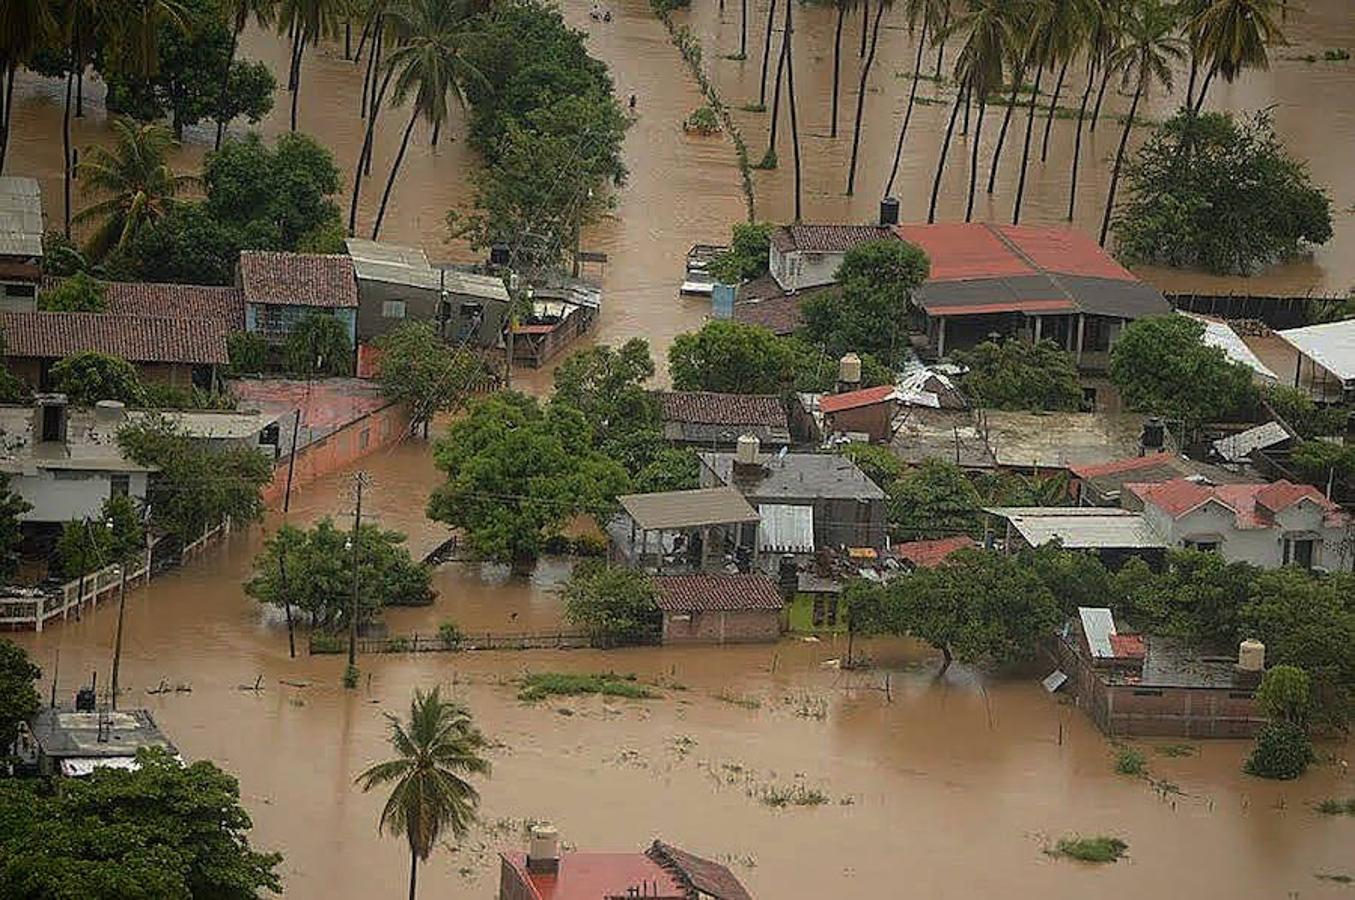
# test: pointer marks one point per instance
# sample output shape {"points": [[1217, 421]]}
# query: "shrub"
{"points": [[1129, 761], [79, 293], [1283, 752], [1099, 849], [540, 685], [703, 121], [450, 634], [248, 352], [88, 377], [327, 642], [350, 677]]}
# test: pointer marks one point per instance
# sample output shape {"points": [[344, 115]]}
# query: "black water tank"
{"points": [[498, 254], [1154, 434], [889, 211]]}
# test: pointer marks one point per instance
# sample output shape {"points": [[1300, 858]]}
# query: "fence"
{"points": [[36, 610], [428, 643], [1276, 312]]}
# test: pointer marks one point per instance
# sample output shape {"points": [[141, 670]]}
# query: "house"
{"points": [[1114, 535], [172, 301], [1135, 685], [1101, 484], [20, 242], [282, 289], [178, 352], [845, 507], [562, 310], [396, 283], [684, 530], [1026, 281], [75, 743], [806, 256], [868, 411], [715, 421], [763, 302], [1266, 525], [1323, 360], [718, 608], [661, 872]]}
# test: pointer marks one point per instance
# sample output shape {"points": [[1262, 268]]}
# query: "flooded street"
{"points": [[943, 788]]}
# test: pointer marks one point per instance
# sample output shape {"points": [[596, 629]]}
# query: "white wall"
{"points": [[73, 495], [795, 270], [1262, 547]]}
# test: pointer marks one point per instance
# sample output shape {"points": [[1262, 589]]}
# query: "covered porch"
{"points": [[685, 531]]}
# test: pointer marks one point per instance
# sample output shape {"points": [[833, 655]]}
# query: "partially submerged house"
{"points": [[1135, 685], [562, 310], [74, 744], [20, 242], [807, 256], [684, 531], [282, 289], [719, 608], [1324, 360], [714, 421]]}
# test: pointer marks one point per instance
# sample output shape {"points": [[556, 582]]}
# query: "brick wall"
{"points": [[721, 627], [340, 448]]}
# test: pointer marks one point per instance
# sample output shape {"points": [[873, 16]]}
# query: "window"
{"points": [[119, 484], [1301, 552], [364, 438], [11, 289], [1204, 545], [392, 309], [1147, 692]]}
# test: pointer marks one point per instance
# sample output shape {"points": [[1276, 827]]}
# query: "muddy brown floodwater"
{"points": [[950, 787]]}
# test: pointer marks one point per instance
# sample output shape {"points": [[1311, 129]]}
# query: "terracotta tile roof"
{"points": [[596, 876], [827, 238], [709, 408], [1176, 497], [779, 315], [1120, 466], [1128, 646], [171, 301], [831, 403], [140, 339], [298, 279], [1254, 505], [716, 591], [708, 877], [930, 554]]}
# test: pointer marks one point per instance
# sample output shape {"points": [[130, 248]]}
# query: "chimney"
{"points": [[746, 453], [543, 854], [889, 211], [49, 418], [848, 373], [1251, 663], [1154, 436]]}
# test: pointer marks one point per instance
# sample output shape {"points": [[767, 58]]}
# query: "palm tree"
{"points": [[1100, 43], [880, 7], [925, 17], [1037, 54], [238, 13], [843, 7], [434, 750], [790, 98], [136, 181], [307, 21], [1022, 15], [1067, 32], [766, 54], [769, 159], [431, 63], [743, 30], [138, 34], [24, 26], [1232, 36], [1150, 47]]}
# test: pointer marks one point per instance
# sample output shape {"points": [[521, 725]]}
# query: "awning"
{"points": [[1028, 307], [786, 528]]}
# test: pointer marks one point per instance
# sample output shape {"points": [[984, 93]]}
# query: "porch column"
{"points": [[705, 548], [1039, 321], [941, 342], [1081, 330]]}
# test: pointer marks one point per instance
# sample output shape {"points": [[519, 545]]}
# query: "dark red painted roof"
{"points": [[831, 403], [961, 251], [1128, 646], [1120, 466]]}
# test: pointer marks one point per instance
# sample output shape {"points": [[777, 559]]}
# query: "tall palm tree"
{"points": [[1100, 43], [24, 27], [880, 7], [924, 18], [766, 53], [435, 749], [1233, 35], [308, 21], [1037, 54], [769, 159], [790, 98], [1150, 47], [1022, 15], [136, 181], [238, 13], [843, 7], [743, 29], [430, 64], [137, 30], [988, 46], [1067, 34]]}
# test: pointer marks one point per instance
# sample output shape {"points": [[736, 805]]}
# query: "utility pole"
{"points": [[282, 549], [359, 479], [117, 641], [291, 461]]}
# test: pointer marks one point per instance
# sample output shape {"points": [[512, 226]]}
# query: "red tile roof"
{"points": [[298, 279], [930, 554], [716, 591], [1254, 505], [597, 876], [138, 339], [1120, 466], [710, 878], [1128, 646], [827, 238], [1066, 251], [170, 301], [831, 403], [779, 315], [709, 408]]}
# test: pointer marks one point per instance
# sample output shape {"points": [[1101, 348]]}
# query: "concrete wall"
{"points": [[338, 449], [851, 523], [422, 305], [723, 627], [796, 269], [62, 495]]}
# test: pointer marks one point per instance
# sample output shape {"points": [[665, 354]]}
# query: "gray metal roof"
{"points": [[796, 476], [20, 216], [687, 509], [1218, 333], [786, 528], [64, 734], [409, 266], [1331, 346], [1080, 528], [1098, 625], [1238, 447]]}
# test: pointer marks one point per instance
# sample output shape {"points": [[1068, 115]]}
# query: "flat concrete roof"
{"points": [[796, 476], [688, 509]]}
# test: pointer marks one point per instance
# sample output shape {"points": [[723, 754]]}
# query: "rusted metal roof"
{"points": [[831, 403], [711, 592], [710, 879]]}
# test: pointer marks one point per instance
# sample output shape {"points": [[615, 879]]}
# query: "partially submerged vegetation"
{"points": [[540, 685], [1129, 761], [1098, 849], [782, 796], [1334, 807]]}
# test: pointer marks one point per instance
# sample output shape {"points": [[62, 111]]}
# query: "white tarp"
{"points": [[785, 528]]}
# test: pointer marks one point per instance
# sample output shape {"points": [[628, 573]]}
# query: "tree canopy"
{"points": [[78, 293], [1015, 375], [161, 830], [868, 313], [88, 377], [19, 700], [748, 253], [517, 472], [1213, 192], [933, 500], [421, 370], [738, 358], [615, 605], [115, 535], [317, 346], [12, 506]]}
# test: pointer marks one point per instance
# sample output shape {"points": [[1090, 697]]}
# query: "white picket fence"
{"points": [[34, 612]]}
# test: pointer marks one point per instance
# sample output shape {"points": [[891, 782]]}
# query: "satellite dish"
{"points": [[781, 454]]}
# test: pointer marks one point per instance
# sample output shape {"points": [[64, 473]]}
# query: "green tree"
{"points": [[238, 13], [877, 280], [160, 830], [1285, 694], [670, 469], [188, 246], [878, 463], [1015, 375], [1074, 578], [748, 253], [313, 571], [319, 345], [728, 357], [1232, 35], [19, 700], [12, 508], [435, 750], [606, 384], [88, 377], [115, 535], [427, 374], [1300, 413], [12, 390], [79, 293], [517, 472], [1317, 462], [934, 500], [1198, 596], [248, 352], [1283, 752], [616, 606], [274, 197], [136, 181], [1162, 366], [1220, 194]]}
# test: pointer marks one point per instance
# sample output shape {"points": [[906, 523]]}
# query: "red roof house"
{"points": [[718, 608]]}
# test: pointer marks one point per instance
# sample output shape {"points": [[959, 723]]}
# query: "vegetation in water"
{"points": [[1129, 761], [1176, 750], [782, 796], [1099, 849], [1334, 807], [703, 120], [540, 685], [615, 605]]}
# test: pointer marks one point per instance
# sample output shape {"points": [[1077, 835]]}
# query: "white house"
{"points": [[805, 256], [1267, 525]]}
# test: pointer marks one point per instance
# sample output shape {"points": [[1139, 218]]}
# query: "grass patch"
{"points": [[1099, 849], [782, 796], [540, 685], [1175, 750], [739, 700], [1129, 761], [1333, 807]]}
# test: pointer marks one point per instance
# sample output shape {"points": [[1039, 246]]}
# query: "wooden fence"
{"points": [[428, 643]]}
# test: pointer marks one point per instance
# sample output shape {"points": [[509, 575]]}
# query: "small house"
{"points": [[20, 242], [806, 256], [867, 411], [562, 310], [714, 421], [684, 530], [74, 744], [719, 608], [282, 289]]}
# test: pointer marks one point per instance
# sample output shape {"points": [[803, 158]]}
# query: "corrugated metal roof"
{"points": [[1218, 333], [1099, 626], [1238, 447], [688, 509], [1331, 346], [786, 528], [1080, 528], [20, 216]]}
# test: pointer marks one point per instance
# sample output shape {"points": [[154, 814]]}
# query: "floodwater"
{"points": [[940, 787]]}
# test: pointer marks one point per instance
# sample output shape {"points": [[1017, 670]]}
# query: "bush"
{"points": [[1129, 761], [88, 377], [248, 352], [450, 635], [328, 642], [540, 685], [1015, 375], [319, 345], [350, 677], [1099, 849], [703, 121], [79, 293], [1283, 752]]}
